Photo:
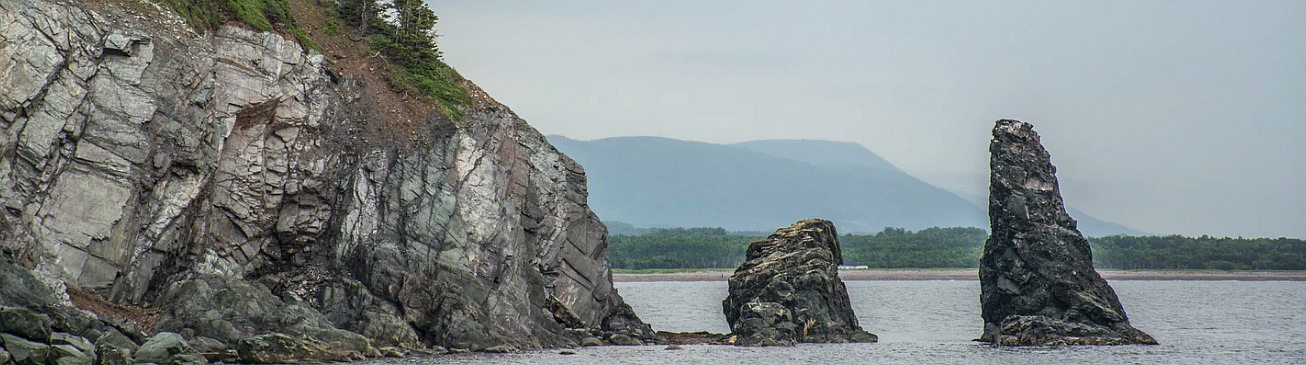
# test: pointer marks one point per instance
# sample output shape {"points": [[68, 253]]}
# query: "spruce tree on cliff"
{"points": [[1038, 286]]}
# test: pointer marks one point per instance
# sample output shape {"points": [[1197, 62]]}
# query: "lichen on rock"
{"points": [[788, 290], [1038, 285]]}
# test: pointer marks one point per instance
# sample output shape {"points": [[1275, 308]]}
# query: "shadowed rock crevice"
{"points": [[788, 290], [1038, 285]]}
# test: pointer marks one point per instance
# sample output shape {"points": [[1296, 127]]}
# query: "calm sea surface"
{"points": [[932, 322]]}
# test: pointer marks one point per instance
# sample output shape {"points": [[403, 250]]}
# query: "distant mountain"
{"points": [[758, 186]]}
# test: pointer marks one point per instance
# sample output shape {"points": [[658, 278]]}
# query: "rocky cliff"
{"points": [[1038, 285], [234, 181], [788, 290]]}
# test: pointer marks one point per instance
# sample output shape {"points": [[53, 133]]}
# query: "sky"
{"points": [[1172, 117]]}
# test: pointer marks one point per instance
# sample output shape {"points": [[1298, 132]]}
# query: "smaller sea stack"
{"points": [[1037, 283], [788, 290]]}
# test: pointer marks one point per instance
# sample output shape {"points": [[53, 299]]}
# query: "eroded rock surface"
{"points": [[788, 290], [1038, 286], [150, 165]]}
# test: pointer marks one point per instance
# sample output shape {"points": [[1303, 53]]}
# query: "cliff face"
{"points": [[1037, 282], [147, 164]]}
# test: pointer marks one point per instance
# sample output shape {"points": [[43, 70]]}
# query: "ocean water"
{"points": [[933, 322]]}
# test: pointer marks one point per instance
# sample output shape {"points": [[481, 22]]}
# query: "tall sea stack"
{"points": [[1038, 286], [788, 290]]}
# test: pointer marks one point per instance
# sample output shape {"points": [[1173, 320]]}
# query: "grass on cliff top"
{"points": [[424, 73], [263, 15], [418, 70]]}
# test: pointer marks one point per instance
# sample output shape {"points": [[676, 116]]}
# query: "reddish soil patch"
{"points": [[143, 317], [390, 105]]}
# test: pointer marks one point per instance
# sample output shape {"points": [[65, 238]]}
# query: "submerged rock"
{"points": [[788, 290], [1038, 285]]}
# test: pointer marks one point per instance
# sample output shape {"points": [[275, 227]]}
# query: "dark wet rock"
{"points": [[1038, 285], [392, 352], [111, 355], [624, 340], [203, 344], [279, 348], [693, 338], [433, 350], [499, 349], [788, 290], [567, 352], [25, 323], [225, 310]]}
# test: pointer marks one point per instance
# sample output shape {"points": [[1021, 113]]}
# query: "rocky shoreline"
{"points": [[972, 274]]}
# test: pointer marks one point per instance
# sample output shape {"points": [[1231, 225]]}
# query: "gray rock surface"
{"points": [[44, 331], [25, 323], [23, 351], [788, 290], [137, 158], [1038, 285], [110, 355], [161, 348], [279, 348]]}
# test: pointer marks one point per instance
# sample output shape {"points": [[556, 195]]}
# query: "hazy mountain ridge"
{"points": [[759, 185]]}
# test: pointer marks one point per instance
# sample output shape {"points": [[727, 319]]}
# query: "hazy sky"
{"points": [[1166, 116]]}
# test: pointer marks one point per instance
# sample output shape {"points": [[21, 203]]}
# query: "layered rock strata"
{"points": [[1038, 285], [233, 180], [788, 290]]}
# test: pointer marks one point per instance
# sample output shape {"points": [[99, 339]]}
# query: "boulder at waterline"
{"points": [[1038, 286], [788, 290]]}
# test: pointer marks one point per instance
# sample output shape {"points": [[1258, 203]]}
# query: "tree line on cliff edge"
{"points": [[403, 31], [956, 247]]}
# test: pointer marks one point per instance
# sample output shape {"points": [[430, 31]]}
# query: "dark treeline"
{"points": [[688, 248]]}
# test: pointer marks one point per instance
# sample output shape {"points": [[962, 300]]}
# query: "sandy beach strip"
{"points": [[973, 274]]}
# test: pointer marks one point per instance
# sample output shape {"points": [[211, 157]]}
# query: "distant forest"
{"points": [[701, 248]]}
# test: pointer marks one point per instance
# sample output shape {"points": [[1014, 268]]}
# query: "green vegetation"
{"points": [[404, 32], [927, 248], [401, 30], [263, 15], [678, 248], [702, 248], [1205, 252], [200, 14]]}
